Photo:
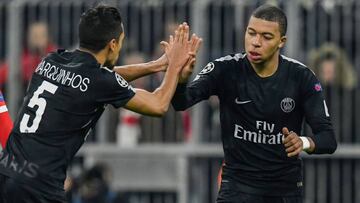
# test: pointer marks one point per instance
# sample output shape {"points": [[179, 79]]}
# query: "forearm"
{"points": [[324, 143], [180, 99], [155, 103], [187, 95], [135, 71], [166, 90]]}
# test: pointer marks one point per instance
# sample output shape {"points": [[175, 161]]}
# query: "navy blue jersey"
{"points": [[253, 111], [65, 98]]}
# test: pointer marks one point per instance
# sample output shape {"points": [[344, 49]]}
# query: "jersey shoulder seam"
{"points": [[293, 61], [235, 57], [300, 65]]}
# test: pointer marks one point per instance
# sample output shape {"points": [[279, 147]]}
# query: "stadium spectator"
{"points": [[68, 93], [332, 66], [95, 185], [339, 79], [264, 97], [38, 45]]}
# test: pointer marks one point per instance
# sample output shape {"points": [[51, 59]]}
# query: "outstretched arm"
{"points": [[135, 71], [187, 95], [157, 103], [194, 43]]}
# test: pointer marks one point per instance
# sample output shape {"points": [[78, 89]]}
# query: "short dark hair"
{"points": [[98, 26], [272, 13]]}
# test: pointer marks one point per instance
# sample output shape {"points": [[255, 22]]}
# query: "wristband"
{"points": [[306, 142]]}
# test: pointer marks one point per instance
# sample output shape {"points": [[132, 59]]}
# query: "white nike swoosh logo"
{"points": [[241, 102]]}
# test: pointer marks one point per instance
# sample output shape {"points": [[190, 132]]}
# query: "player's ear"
{"points": [[112, 44], [282, 41]]}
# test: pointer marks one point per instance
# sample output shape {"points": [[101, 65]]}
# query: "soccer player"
{"points": [[5, 122], [264, 97], [67, 95]]}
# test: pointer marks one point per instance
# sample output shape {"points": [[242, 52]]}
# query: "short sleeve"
{"points": [[113, 89]]}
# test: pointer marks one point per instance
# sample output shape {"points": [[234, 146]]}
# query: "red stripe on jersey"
{"points": [[6, 124]]}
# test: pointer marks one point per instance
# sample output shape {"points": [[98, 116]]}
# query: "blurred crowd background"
{"points": [[324, 34]]}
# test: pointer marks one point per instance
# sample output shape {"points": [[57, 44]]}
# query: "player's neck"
{"points": [[268, 68], [100, 58]]}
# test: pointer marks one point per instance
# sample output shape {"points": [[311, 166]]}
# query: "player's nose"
{"points": [[256, 41]]}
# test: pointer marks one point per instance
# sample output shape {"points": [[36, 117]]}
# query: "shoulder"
{"points": [[112, 78], [110, 75], [296, 66], [292, 62], [59, 55], [305, 77], [223, 63], [231, 58]]}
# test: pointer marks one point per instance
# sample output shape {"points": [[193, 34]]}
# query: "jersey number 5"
{"points": [[41, 103]]}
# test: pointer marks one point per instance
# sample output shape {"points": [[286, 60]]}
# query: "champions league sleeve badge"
{"points": [[208, 68], [318, 87], [122, 82]]}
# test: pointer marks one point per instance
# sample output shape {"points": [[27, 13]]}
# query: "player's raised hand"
{"points": [[195, 43], [292, 142], [177, 49]]}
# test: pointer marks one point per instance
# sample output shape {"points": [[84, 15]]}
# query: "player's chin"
{"points": [[255, 60], [258, 61]]}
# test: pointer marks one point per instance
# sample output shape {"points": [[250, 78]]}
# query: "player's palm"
{"points": [[194, 45], [177, 49]]}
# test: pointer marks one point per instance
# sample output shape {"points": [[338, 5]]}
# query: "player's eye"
{"points": [[268, 37], [251, 33]]}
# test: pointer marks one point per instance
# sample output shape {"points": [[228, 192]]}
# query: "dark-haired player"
{"points": [[67, 95], [264, 97]]}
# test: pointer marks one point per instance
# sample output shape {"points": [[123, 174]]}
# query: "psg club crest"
{"points": [[287, 104]]}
